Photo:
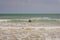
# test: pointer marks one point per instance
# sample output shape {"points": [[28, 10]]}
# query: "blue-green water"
{"points": [[10, 16], [37, 20]]}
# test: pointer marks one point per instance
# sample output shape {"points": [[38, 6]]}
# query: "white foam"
{"points": [[4, 20], [26, 24]]}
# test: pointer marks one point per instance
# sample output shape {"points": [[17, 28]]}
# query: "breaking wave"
{"points": [[35, 22], [32, 19]]}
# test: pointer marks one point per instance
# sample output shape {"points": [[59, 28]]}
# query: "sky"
{"points": [[29, 6]]}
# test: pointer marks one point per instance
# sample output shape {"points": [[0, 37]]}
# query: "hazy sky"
{"points": [[29, 6]]}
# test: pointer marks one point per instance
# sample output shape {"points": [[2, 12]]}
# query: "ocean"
{"points": [[37, 20]]}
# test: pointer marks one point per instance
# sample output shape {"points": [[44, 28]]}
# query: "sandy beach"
{"points": [[29, 33]]}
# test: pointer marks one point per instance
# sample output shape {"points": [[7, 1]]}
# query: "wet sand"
{"points": [[29, 33]]}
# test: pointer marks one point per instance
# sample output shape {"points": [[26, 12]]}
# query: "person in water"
{"points": [[29, 21]]}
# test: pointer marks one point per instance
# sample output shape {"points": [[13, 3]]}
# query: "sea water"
{"points": [[37, 20]]}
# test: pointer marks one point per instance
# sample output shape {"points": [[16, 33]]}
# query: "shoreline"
{"points": [[30, 27]]}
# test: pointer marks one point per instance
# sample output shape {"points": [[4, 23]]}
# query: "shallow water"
{"points": [[21, 20], [25, 23]]}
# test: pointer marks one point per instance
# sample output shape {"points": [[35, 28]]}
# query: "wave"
{"points": [[41, 21], [33, 19]]}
